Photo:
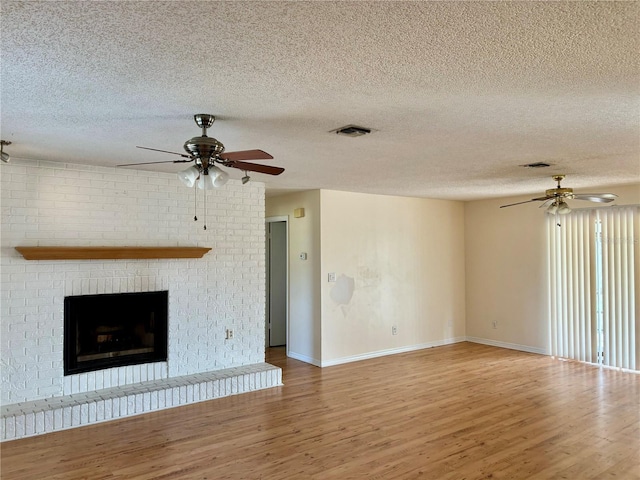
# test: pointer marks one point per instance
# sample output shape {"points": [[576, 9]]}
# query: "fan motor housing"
{"points": [[559, 192], [203, 147]]}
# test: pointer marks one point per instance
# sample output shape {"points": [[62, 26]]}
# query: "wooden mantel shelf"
{"points": [[109, 253]]}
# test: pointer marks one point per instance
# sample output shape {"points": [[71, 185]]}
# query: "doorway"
{"points": [[277, 281]]}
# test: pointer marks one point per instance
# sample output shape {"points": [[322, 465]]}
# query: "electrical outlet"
{"points": [[394, 330], [229, 334], [332, 277]]}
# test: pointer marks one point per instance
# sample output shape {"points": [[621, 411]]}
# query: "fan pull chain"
{"points": [[195, 201], [205, 208]]}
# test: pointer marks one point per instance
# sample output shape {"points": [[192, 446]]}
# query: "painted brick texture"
{"points": [[45, 203]]}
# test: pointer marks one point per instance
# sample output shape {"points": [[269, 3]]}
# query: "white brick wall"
{"points": [[45, 203]]}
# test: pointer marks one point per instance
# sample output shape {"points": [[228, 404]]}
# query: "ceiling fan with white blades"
{"points": [[555, 198], [206, 152]]}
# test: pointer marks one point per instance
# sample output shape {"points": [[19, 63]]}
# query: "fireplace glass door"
{"points": [[112, 330]]}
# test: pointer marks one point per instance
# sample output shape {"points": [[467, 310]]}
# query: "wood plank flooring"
{"points": [[462, 411]]}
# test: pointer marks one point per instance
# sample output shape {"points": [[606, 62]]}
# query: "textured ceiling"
{"points": [[458, 94]]}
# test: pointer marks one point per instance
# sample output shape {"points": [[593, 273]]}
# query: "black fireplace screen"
{"points": [[113, 330]]}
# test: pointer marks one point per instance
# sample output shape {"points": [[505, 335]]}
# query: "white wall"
{"points": [[304, 275], [506, 276], [440, 271], [74, 205], [405, 257], [399, 262]]}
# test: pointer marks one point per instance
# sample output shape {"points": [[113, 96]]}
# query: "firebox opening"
{"points": [[113, 330]]}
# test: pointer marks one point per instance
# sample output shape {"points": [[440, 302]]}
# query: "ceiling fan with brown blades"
{"points": [[206, 152], [555, 198]]}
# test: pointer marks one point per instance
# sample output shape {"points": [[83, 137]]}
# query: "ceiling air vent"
{"points": [[536, 165], [352, 131]]}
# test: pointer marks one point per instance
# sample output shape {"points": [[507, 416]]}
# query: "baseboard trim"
{"points": [[390, 351], [411, 348], [303, 358], [511, 346]]}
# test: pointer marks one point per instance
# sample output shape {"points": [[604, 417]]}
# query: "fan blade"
{"points": [[539, 199], [165, 151], [596, 197], [546, 203], [245, 155], [252, 167], [151, 163]]}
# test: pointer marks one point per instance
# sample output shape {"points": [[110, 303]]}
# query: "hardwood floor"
{"points": [[463, 411]]}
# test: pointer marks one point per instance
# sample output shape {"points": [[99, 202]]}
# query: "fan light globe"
{"points": [[563, 208], [553, 208], [221, 177], [206, 181], [189, 176]]}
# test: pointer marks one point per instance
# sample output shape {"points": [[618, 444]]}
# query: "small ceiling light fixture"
{"points": [[246, 178], [5, 156], [352, 131]]}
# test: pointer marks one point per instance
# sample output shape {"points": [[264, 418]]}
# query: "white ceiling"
{"points": [[458, 94]]}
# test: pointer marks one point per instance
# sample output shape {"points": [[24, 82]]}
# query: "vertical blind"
{"points": [[594, 269]]}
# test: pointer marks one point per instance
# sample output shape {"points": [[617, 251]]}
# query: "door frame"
{"points": [[285, 219]]}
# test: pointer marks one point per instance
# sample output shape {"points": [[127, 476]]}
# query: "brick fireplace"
{"points": [[46, 203]]}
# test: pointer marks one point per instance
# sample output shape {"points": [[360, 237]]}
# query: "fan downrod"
{"points": [[558, 178]]}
